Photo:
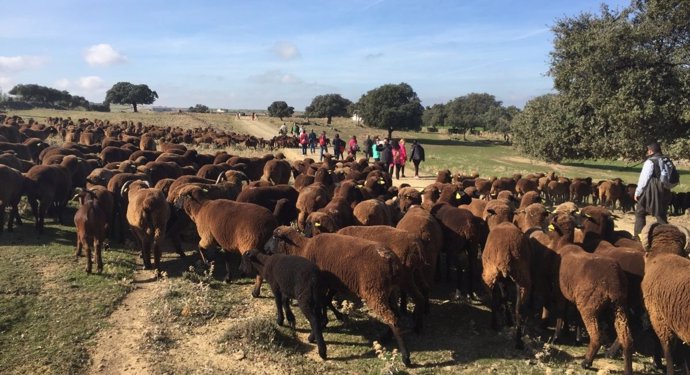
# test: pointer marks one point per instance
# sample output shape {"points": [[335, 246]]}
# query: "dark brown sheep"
{"points": [[277, 171], [92, 227], [47, 185], [407, 197], [234, 226], [268, 196], [463, 234], [10, 194], [422, 224], [409, 249], [351, 266], [292, 277]]}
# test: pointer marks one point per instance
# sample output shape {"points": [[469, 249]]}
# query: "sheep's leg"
{"points": [[99, 255], [278, 297], [666, 347], [313, 316], [175, 228], [157, 256], [378, 305], [146, 250], [15, 216], [288, 312], [519, 310], [257, 286], [77, 249], [589, 319], [495, 306], [88, 244], [227, 256], [624, 336], [2, 218]]}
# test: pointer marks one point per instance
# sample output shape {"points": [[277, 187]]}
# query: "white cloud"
{"points": [[276, 76], [90, 83], [18, 63], [6, 84], [103, 55], [62, 84], [286, 50]]}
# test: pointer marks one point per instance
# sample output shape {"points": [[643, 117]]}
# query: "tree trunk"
{"points": [[134, 105], [390, 133], [464, 134], [328, 119]]}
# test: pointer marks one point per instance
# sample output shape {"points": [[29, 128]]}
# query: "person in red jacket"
{"points": [[353, 147], [304, 141]]}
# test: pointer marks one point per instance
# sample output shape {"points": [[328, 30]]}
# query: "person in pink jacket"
{"points": [[403, 156]]}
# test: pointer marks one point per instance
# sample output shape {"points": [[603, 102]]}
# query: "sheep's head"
{"points": [[319, 222], [534, 215], [563, 224], [407, 197], [444, 176], [190, 195], [665, 238], [529, 198], [451, 193], [251, 263], [497, 212], [597, 220], [283, 241]]}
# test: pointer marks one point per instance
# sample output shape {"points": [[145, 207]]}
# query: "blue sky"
{"points": [[247, 54]]}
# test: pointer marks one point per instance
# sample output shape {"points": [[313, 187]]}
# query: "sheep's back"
{"points": [[236, 225], [666, 292]]}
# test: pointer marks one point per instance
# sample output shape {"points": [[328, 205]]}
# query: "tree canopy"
{"points": [[199, 108], [391, 107], [469, 111], [127, 93], [328, 105], [622, 79], [280, 109], [47, 96]]}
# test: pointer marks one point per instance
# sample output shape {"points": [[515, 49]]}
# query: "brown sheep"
{"points": [[496, 212], [268, 196], [666, 287], [463, 234], [444, 176], [234, 226], [147, 215], [92, 227], [532, 216], [610, 192], [476, 207], [47, 185], [407, 197], [277, 171], [507, 257], [422, 224], [10, 194], [352, 266], [311, 198], [372, 212], [409, 249], [333, 216], [592, 283], [530, 198]]}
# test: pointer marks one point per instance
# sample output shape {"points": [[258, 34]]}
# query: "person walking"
{"points": [[416, 156], [403, 156], [353, 147], [651, 196], [376, 149], [323, 144], [304, 141], [395, 160], [338, 147], [368, 147], [312, 142]]}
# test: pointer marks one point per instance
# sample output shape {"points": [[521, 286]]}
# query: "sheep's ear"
{"points": [[491, 211]]}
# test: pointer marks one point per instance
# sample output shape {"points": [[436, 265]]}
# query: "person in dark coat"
{"points": [[651, 196], [368, 147], [386, 154], [338, 147], [416, 156]]}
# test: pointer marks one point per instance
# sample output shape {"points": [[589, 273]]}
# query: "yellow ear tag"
{"points": [[204, 190], [551, 228], [458, 195], [317, 224], [381, 182], [360, 186], [588, 215]]}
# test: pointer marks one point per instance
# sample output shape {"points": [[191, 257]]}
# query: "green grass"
{"points": [[49, 307]]}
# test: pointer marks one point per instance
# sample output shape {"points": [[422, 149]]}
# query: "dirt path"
{"points": [[118, 348]]}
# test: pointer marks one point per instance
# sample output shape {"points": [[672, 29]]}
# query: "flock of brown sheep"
{"points": [[342, 230]]}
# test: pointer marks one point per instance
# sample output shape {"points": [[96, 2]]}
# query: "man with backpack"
{"points": [[653, 192]]}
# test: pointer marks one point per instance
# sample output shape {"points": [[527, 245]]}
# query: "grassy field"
{"points": [[51, 310], [49, 307]]}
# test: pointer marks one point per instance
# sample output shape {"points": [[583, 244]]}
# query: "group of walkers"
{"points": [[389, 152]]}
